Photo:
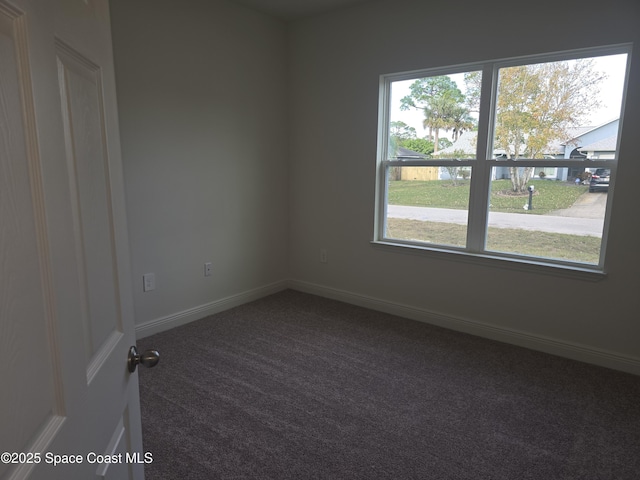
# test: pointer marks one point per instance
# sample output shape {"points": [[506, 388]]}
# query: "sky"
{"points": [[610, 94]]}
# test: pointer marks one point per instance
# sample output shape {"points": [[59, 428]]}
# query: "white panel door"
{"points": [[69, 407]]}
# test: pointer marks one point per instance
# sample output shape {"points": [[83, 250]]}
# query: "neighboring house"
{"points": [[406, 154], [591, 142], [602, 149], [576, 147], [466, 143], [464, 146]]}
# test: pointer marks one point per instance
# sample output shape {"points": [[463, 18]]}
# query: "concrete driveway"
{"points": [[588, 205], [585, 217]]}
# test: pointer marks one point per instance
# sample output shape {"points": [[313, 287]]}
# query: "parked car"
{"points": [[600, 180]]}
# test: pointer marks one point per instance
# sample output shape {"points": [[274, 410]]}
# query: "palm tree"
{"points": [[442, 103], [461, 121], [446, 112]]}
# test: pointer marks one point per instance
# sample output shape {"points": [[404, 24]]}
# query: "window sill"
{"points": [[537, 266]]}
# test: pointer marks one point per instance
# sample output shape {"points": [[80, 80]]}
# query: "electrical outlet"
{"points": [[207, 269], [148, 282], [324, 256]]}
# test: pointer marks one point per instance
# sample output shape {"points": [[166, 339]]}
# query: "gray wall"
{"points": [[252, 144], [336, 60], [201, 96]]}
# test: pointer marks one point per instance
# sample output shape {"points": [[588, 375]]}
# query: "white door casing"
{"points": [[66, 315]]}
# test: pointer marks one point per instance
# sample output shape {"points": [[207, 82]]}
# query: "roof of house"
{"points": [[605, 145], [578, 132], [406, 153], [595, 127], [573, 134], [466, 142], [469, 140]]}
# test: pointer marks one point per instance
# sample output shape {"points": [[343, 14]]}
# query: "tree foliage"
{"points": [[537, 105], [442, 103], [402, 135], [420, 145], [401, 130], [473, 84], [454, 170]]}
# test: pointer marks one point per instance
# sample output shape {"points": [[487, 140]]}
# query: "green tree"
{"points": [[452, 169], [444, 143], [420, 145], [461, 121], [404, 136], [401, 130], [537, 105], [473, 84], [442, 103]]}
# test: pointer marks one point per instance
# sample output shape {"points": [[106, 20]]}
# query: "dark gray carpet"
{"points": [[295, 386]]}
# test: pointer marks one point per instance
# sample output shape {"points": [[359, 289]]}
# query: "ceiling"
{"points": [[293, 9]]}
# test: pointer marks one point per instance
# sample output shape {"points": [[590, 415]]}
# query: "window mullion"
{"points": [[481, 176]]}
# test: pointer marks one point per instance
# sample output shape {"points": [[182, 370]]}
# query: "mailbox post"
{"points": [[531, 188]]}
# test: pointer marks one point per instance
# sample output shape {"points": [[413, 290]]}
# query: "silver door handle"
{"points": [[149, 358]]}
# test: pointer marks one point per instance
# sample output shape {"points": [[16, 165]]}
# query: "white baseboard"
{"points": [[180, 318], [523, 339], [534, 342]]}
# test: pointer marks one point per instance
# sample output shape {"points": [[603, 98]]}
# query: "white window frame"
{"points": [[483, 165]]}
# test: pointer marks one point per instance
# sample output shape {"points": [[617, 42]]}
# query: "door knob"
{"points": [[149, 358]]}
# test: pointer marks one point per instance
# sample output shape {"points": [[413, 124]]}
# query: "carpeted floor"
{"points": [[295, 386]]}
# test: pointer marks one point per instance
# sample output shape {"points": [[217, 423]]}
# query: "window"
{"points": [[503, 158]]}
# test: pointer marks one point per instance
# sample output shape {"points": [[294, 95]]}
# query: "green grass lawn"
{"points": [[550, 195], [540, 244]]}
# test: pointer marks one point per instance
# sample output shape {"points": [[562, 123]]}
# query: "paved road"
{"points": [[585, 217]]}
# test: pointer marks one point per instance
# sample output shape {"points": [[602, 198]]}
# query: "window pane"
{"points": [[434, 117], [566, 109], [428, 204], [562, 218]]}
